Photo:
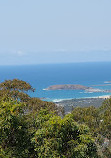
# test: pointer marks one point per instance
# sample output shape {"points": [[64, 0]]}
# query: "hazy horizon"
{"points": [[38, 32]]}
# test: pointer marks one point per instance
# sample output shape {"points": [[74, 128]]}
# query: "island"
{"points": [[67, 87], [76, 87]]}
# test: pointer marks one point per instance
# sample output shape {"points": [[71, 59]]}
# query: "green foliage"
{"points": [[105, 113], [16, 84], [18, 113], [31, 128], [88, 115], [56, 137], [35, 104], [52, 136], [15, 89], [14, 139], [99, 122]]}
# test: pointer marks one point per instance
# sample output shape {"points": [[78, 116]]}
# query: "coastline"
{"points": [[70, 104], [103, 97]]}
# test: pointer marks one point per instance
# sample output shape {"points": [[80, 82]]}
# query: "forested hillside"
{"points": [[31, 128]]}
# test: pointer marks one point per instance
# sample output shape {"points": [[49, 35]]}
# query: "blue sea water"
{"points": [[42, 76]]}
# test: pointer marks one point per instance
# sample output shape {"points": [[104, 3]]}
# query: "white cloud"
{"points": [[20, 53]]}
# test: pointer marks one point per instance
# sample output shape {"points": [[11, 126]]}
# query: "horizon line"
{"points": [[55, 63]]}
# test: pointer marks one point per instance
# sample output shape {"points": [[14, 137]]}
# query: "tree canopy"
{"points": [[15, 89], [30, 127]]}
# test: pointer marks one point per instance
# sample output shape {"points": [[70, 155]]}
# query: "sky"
{"points": [[54, 31]]}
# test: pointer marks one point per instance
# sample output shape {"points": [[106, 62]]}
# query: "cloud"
{"points": [[20, 53]]}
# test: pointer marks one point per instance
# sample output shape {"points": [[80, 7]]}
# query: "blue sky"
{"points": [[54, 31]]}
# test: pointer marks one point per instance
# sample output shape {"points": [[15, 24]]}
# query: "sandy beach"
{"points": [[105, 96]]}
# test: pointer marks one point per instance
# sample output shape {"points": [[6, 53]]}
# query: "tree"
{"points": [[16, 89], [99, 122], [18, 112], [31, 128], [14, 137], [105, 113], [88, 115], [64, 138]]}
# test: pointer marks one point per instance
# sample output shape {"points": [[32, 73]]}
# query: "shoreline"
{"points": [[105, 96], [70, 104], [99, 97]]}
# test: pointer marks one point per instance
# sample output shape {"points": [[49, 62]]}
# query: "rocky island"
{"points": [[67, 87], [76, 87]]}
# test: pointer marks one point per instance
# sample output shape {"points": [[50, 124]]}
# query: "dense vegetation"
{"points": [[31, 128]]}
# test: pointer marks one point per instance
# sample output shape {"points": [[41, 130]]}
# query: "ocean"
{"points": [[44, 75]]}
